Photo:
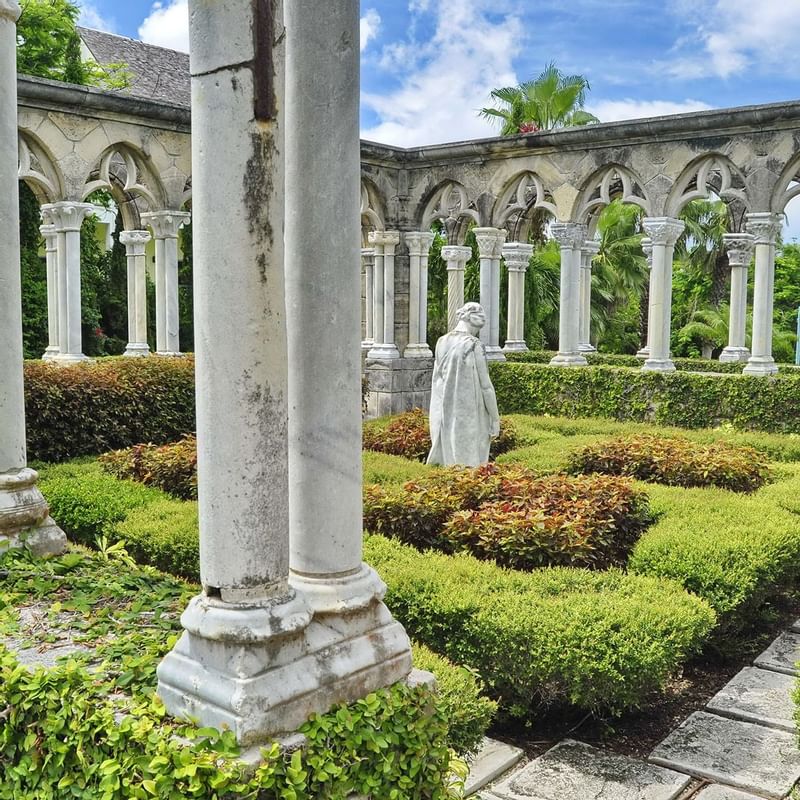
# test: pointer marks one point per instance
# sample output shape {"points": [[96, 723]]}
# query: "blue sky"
{"points": [[429, 65]]}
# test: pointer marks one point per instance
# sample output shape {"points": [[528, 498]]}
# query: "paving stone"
{"points": [[782, 655], [717, 792], [575, 771], [491, 761], [752, 757], [757, 695]]}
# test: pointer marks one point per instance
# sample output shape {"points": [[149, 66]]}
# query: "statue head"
{"points": [[471, 317]]}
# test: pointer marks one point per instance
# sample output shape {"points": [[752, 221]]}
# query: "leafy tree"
{"points": [[34, 276], [551, 100]]}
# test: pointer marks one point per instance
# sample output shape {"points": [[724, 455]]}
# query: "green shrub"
{"points": [[169, 467], [560, 636], [683, 399], [408, 435], [460, 696], [674, 461], [90, 408], [383, 468]]}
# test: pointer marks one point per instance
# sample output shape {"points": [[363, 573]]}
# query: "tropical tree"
{"points": [[551, 100]]}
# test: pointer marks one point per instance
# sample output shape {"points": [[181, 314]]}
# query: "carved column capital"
{"points": [[490, 241], [663, 231], [590, 248], [647, 249], [568, 234], [418, 242], [48, 232], [135, 241], [166, 224], [66, 215], [456, 256], [517, 255], [739, 247], [384, 238], [765, 227], [9, 9]]}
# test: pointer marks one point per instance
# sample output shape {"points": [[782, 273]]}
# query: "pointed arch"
{"points": [[449, 203], [519, 198], [610, 182], [707, 174], [787, 187], [38, 169]]}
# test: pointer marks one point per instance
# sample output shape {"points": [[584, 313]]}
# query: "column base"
{"points": [[24, 516], [70, 358], [515, 346], [734, 354], [170, 354], [587, 348], [658, 365], [384, 351], [417, 351], [262, 670], [137, 350], [494, 353], [50, 353], [568, 360], [367, 345], [760, 365], [643, 353]]}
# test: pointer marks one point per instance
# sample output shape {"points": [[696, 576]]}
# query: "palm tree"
{"points": [[552, 100]]}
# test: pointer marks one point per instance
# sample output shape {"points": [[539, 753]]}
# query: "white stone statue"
{"points": [[464, 417]]}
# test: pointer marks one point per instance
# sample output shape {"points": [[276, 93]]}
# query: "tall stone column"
{"points": [[647, 249], [385, 243], [589, 250], [24, 514], [135, 243], [165, 226], [765, 228], [456, 258], [490, 247], [67, 217], [571, 237], [517, 256], [739, 247], [419, 244], [368, 260], [664, 232], [51, 260]]}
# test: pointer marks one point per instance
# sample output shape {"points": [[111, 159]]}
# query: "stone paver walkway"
{"points": [[743, 746]]}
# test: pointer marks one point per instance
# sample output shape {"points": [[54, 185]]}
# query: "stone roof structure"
{"points": [[157, 73]]}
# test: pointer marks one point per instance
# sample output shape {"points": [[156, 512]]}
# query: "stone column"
{"points": [[517, 257], [664, 232], [456, 259], [490, 247], [589, 250], [165, 226], [647, 249], [419, 244], [571, 237], [135, 242], [23, 511], [739, 247], [368, 260], [67, 217], [765, 228], [384, 243], [51, 259]]}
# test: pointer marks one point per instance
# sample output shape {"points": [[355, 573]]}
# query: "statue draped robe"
{"points": [[463, 402]]}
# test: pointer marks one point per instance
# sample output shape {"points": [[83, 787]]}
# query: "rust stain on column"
{"points": [[263, 68]]}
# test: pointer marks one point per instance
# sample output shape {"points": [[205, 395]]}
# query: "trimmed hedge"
{"points": [[683, 399], [89, 408], [674, 461]]}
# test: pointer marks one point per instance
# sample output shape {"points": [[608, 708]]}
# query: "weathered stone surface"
{"points": [[757, 695], [717, 792], [782, 655], [490, 762], [574, 771], [740, 754]]}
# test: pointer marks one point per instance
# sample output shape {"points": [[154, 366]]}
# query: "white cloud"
{"points": [[370, 26], [167, 25], [614, 110], [730, 37], [90, 17], [446, 80]]}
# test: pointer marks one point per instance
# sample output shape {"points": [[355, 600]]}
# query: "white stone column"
{"points": [[67, 217], [517, 256], [490, 248], [368, 260], [739, 247], [23, 511], [165, 226], [664, 232], [419, 245], [51, 260], [765, 228], [647, 249], [385, 243], [571, 236], [456, 258], [590, 249], [135, 243]]}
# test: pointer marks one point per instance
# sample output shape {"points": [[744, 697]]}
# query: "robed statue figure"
{"points": [[464, 417]]}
